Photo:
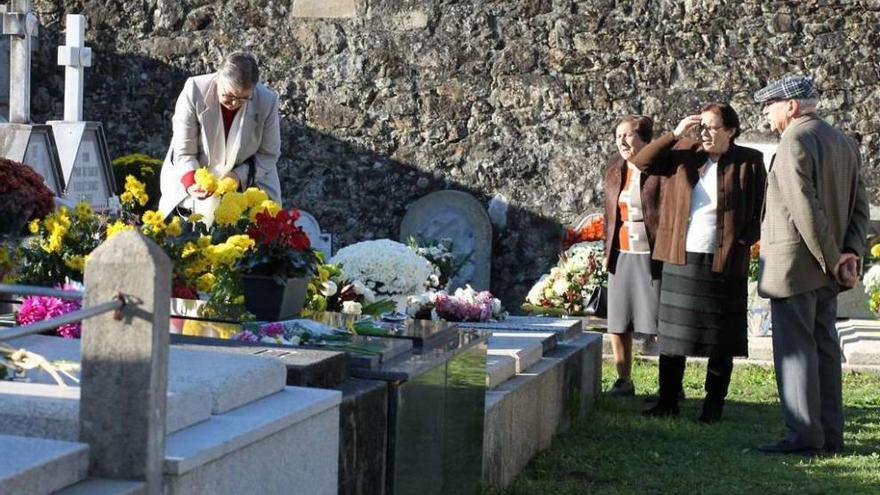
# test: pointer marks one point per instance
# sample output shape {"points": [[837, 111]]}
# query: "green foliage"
{"points": [[145, 169]]}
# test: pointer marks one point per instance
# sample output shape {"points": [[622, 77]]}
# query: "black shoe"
{"points": [[662, 411], [650, 399], [785, 447], [712, 409], [621, 388]]}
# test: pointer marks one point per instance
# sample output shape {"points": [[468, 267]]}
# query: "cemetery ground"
{"points": [[618, 451]]}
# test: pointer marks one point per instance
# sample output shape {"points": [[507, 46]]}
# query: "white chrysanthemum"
{"points": [[872, 280], [384, 266], [351, 308], [536, 293], [560, 287]]}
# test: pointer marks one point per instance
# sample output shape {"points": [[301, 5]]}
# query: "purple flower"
{"points": [[38, 308], [246, 336], [275, 329]]}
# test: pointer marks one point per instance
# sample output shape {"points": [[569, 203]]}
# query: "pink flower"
{"points": [[38, 308]]}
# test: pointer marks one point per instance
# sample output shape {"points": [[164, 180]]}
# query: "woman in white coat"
{"points": [[227, 122]]}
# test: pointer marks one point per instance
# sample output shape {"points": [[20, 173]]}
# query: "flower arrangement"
{"points": [[871, 281], [386, 267], [440, 254], [466, 304], [38, 308], [23, 196], [568, 286], [590, 229], [329, 290], [281, 248], [145, 170], [60, 244]]}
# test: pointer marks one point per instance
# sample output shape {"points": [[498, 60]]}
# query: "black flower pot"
{"points": [[272, 302]]}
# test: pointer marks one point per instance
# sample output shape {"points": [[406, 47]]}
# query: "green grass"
{"points": [[618, 451]]}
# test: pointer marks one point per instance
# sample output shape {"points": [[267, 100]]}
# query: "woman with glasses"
{"points": [[710, 215], [227, 122], [632, 201]]}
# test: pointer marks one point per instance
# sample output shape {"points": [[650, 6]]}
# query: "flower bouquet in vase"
{"points": [[276, 271], [574, 286], [464, 305]]}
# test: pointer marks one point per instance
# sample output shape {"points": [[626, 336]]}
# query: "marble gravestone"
{"points": [[321, 241], [458, 216], [20, 140], [82, 147]]}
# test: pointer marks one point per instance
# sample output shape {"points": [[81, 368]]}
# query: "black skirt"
{"points": [[702, 313]]}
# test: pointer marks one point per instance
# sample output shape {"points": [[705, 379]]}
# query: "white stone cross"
{"points": [[75, 57], [20, 24]]}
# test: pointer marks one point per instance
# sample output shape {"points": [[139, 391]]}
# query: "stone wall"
{"points": [[516, 97]]}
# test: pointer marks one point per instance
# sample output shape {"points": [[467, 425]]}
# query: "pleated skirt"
{"points": [[633, 296], [702, 313]]}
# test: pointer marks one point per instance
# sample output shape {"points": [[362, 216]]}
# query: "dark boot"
{"points": [[717, 381], [670, 376]]}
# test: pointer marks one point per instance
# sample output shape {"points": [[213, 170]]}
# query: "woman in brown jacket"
{"points": [[632, 200], [710, 216]]}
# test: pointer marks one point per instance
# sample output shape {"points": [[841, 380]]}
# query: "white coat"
{"points": [[198, 141]]}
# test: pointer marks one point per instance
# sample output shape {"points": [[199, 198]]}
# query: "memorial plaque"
{"points": [[82, 150], [321, 241]]}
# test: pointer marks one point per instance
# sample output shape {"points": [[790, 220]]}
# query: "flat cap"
{"points": [[791, 87]]}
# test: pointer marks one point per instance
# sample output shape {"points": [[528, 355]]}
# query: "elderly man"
{"points": [[227, 122], [812, 235]]}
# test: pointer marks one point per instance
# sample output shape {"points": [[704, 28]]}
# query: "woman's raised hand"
{"points": [[686, 125]]}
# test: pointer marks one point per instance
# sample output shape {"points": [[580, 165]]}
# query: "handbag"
{"points": [[596, 304]]}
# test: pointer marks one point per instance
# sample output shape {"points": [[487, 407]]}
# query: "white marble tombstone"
{"points": [[321, 241], [82, 147], [460, 217]]}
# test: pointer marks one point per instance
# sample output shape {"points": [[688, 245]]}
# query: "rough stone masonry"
{"points": [[488, 96]]}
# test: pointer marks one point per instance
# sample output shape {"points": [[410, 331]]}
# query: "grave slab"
{"points": [[104, 487], [525, 351], [499, 369], [37, 466], [566, 328], [49, 411]]}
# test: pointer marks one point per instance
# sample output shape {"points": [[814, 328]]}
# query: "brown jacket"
{"points": [[650, 192], [741, 180], [816, 208]]}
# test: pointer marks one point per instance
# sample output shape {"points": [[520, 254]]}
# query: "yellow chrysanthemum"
{"points": [[268, 205], [242, 241], [174, 228], [204, 241], [226, 185], [188, 250], [195, 217], [227, 214], [126, 197], [235, 198], [255, 196], [153, 219], [34, 226], [206, 282], [206, 180], [83, 210], [117, 227], [875, 250], [75, 262]]}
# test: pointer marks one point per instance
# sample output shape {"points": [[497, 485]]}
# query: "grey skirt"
{"points": [[633, 296], [702, 313]]}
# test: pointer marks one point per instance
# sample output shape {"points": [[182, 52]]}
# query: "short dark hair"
{"points": [[643, 124], [240, 69], [729, 117]]}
